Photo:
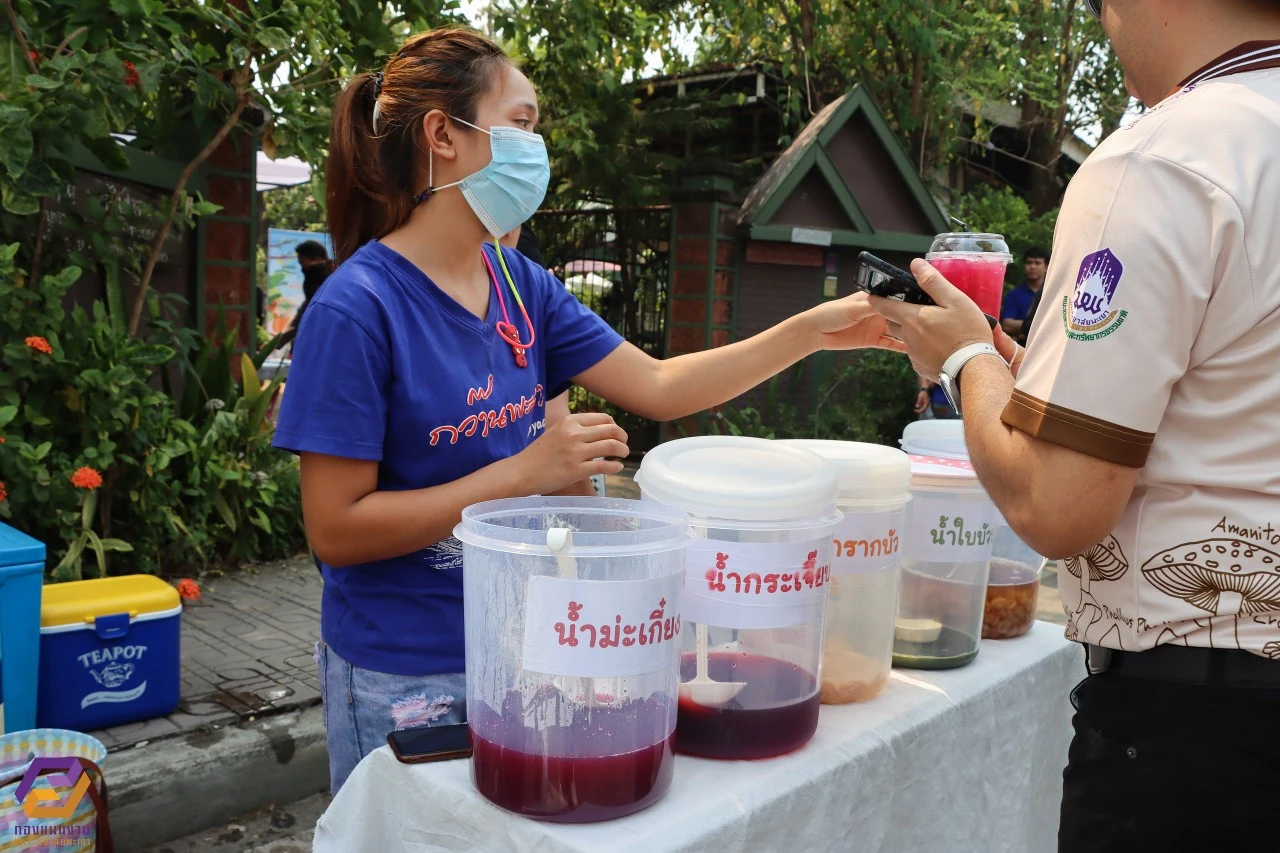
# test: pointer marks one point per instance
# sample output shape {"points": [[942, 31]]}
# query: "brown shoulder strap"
{"points": [[106, 844]]}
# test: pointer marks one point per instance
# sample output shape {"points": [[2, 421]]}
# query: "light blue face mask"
{"points": [[507, 191]]}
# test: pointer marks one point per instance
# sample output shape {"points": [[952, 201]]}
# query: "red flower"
{"points": [[39, 344], [3, 439], [35, 57], [4, 496], [131, 77], [86, 478], [188, 590]]}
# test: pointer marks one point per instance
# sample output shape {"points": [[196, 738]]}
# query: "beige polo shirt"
{"points": [[1157, 346]]}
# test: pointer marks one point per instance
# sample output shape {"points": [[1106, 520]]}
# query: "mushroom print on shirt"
{"points": [[1158, 348]]}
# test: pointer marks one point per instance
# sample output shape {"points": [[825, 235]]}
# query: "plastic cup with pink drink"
{"points": [[975, 264]]}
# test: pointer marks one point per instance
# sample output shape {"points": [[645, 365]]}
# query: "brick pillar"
{"points": [[229, 241], [702, 293]]}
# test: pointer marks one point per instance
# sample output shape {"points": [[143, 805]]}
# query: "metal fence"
{"points": [[616, 261]]}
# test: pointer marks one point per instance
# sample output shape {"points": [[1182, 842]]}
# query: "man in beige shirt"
{"points": [[1140, 444]]}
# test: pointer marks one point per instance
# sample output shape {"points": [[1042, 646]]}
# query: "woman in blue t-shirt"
{"points": [[421, 374]]}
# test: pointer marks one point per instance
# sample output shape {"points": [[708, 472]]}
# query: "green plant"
{"points": [[870, 398], [1005, 212], [96, 459]]}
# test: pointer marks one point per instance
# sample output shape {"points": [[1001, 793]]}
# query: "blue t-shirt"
{"points": [[389, 368], [1018, 303]]}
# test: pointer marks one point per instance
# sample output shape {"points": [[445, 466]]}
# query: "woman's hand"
{"points": [[922, 401], [569, 451], [850, 323], [558, 410]]}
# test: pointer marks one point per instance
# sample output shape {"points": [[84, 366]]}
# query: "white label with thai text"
{"points": [[601, 628], [950, 531], [867, 542], [755, 584]]}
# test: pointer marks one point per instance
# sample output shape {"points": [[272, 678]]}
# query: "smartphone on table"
{"points": [[881, 278], [421, 744]]}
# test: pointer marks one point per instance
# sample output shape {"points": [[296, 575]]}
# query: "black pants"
{"points": [[1164, 767]]}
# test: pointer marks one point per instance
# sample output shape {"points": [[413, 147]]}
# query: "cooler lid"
{"points": [[943, 439], [734, 477], [81, 602], [864, 471], [19, 549]]}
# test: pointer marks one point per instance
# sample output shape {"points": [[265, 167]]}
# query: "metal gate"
{"points": [[616, 261]]}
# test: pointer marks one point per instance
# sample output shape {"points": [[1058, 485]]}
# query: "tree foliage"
{"points": [[173, 78], [926, 62]]}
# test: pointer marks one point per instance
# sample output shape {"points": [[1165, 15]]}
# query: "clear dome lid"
{"points": [[970, 243]]}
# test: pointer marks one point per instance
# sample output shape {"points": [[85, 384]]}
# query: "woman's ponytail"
{"points": [[371, 174]]}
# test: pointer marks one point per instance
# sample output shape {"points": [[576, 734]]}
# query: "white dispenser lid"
{"points": [[734, 477], [944, 439], [865, 472]]}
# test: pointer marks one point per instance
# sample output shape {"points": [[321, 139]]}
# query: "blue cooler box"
{"points": [[109, 652]]}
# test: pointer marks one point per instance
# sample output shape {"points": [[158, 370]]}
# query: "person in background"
{"points": [[931, 402], [1017, 304], [1025, 332], [1135, 437], [527, 245], [424, 367], [316, 267]]}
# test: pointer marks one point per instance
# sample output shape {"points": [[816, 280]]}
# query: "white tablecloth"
{"points": [[960, 760]]}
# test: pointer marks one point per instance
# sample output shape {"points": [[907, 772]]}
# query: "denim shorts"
{"points": [[362, 706]]}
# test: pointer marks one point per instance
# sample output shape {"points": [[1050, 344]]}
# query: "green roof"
{"points": [[810, 155]]}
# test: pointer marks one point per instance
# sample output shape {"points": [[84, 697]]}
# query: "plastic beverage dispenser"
{"points": [[756, 583], [573, 632], [863, 601], [950, 531]]}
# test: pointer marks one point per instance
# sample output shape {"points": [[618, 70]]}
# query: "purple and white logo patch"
{"points": [[1087, 313]]}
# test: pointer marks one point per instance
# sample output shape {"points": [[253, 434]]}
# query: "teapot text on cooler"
{"points": [[885, 547], [957, 535], [604, 636], [812, 576]]}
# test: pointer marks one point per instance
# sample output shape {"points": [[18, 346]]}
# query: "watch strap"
{"points": [[958, 359]]}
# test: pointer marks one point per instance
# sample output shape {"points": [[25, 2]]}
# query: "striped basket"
{"points": [[76, 833]]}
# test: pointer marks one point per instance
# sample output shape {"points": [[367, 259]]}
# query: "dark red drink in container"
{"points": [[756, 581], [573, 630]]}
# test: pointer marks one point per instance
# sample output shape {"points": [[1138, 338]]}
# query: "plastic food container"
{"points": [[858, 652], [950, 532], [573, 641], [757, 575], [109, 652], [1012, 588]]}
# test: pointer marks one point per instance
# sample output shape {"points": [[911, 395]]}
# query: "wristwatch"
{"points": [[949, 376]]}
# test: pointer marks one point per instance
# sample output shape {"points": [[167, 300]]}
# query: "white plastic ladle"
{"points": [[703, 690], [560, 541]]}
